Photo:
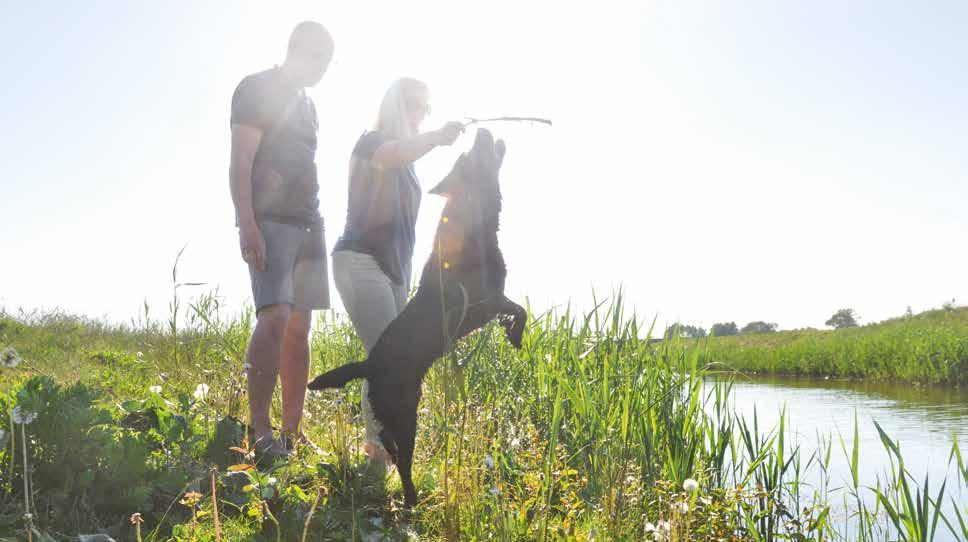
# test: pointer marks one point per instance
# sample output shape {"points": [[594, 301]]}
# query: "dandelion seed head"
{"points": [[24, 417], [272, 480], [682, 507], [201, 391], [488, 461], [690, 485], [650, 527], [9, 357], [155, 389], [136, 518]]}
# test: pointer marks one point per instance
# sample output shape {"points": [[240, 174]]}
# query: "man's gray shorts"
{"points": [[296, 272]]}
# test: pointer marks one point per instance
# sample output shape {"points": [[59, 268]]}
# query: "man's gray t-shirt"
{"points": [[284, 184]]}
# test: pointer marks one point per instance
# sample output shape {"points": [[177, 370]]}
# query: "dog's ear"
{"points": [[454, 180]]}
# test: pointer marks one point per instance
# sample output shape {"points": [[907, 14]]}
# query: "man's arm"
{"points": [[401, 152], [245, 143]]}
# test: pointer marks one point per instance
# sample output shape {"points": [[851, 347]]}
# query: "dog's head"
{"points": [[471, 188]]}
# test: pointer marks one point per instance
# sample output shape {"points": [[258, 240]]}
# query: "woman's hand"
{"points": [[448, 133]]}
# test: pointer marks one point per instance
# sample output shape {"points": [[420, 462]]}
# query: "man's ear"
{"points": [[451, 183]]}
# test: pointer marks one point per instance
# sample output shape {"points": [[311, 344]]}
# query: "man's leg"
{"points": [[294, 369], [265, 347]]}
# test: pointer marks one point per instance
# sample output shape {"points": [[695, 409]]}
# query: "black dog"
{"points": [[461, 289]]}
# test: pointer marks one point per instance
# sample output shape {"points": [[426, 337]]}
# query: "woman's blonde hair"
{"points": [[392, 119]]}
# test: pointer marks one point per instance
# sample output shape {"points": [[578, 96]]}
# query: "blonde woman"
{"points": [[372, 259]]}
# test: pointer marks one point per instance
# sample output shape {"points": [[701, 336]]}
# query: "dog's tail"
{"points": [[338, 377]]}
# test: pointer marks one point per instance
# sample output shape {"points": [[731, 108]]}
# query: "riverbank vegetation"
{"points": [[930, 348], [587, 433]]}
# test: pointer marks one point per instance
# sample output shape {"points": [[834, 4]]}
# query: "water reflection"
{"points": [[924, 419]]}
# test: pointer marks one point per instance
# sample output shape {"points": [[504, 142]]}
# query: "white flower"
{"points": [[139, 354], [690, 485], [515, 443], [377, 522], [488, 462], [649, 527], [155, 389], [201, 391], [705, 500], [665, 526], [495, 491], [22, 416], [682, 507], [9, 357], [272, 480]]}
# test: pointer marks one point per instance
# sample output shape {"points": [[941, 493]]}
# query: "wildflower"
{"points": [[28, 516], [9, 358], [377, 522], [682, 507], [649, 527], [23, 416], [488, 462], [272, 480], [201, 391], [136, 518], [191, 498], [495, 491], [139, 354], [515, 443], [705, 500], [665, 525], [155, 389], [690, 485]]}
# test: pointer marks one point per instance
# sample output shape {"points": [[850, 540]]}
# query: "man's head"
{"points": [[310, 50]]}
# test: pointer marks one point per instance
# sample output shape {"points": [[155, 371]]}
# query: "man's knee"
{"points": [[274, 319], [299, 324]]}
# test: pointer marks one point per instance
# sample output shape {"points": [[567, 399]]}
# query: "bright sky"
{"points": [[745, 160]]}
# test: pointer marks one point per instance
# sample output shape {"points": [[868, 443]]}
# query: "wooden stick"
{"points": [[472, 120]]}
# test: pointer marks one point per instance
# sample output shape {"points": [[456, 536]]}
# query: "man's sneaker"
{"points": [[269, 449]]}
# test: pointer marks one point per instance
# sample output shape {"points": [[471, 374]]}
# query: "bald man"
{"points": [[275, 192]]}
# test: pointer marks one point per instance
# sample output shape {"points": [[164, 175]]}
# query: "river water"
{"points": [[925, 420]]}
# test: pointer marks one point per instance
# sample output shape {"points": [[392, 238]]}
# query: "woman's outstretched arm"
{"points": [[400, 152]]}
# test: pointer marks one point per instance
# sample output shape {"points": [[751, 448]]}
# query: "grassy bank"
{"points": [[931, 347], [584, 434]]}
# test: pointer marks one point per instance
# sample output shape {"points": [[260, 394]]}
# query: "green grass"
{"points": [[585, 433], [931, 347]]}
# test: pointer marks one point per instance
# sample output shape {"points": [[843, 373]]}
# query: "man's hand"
{"points": [[253, 246], [447, 134]]}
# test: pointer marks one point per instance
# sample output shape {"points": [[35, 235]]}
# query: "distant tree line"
{"points": [[841, 319], [721, 329]]}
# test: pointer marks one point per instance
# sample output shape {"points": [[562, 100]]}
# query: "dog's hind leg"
{"points": [[513, 317]]}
